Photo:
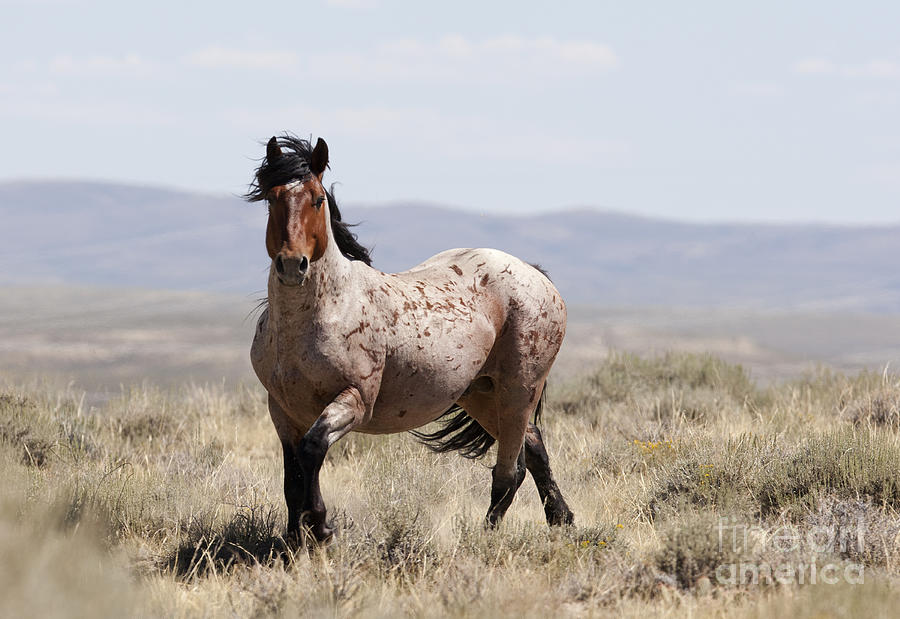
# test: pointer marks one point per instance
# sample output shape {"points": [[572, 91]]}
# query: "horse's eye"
{"points": [[319, 201]]}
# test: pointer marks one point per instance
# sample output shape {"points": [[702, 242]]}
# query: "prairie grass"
{"points": [[692, 486]]}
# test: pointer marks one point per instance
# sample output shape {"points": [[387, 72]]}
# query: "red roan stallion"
{"points": [[467, 337]]}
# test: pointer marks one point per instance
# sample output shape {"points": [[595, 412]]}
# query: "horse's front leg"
{"points": [[342, 415], [290, 434]]}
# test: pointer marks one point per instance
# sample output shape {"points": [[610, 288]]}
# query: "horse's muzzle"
{"points": [[291, 270]]}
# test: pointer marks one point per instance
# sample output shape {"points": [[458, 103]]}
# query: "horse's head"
{"points": [[297, 232], [300, 209]]}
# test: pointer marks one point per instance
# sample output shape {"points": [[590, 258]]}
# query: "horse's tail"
{"points": [[463, 433], [459, 433], [539, 409]]}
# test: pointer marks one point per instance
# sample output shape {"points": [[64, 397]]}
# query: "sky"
{"points": [[704, 111]]}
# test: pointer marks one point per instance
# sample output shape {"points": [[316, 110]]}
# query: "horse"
{"points": [[467, 337]]}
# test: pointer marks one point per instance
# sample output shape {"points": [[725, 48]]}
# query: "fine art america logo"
{"points": [[793, 555]]}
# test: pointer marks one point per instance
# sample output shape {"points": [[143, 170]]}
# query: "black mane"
{"points": [[293, 165]]}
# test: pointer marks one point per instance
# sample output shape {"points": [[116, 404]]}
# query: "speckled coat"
{"points": [[344, 347], [411, 342]]}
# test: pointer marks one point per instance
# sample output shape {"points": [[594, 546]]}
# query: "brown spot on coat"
{"points": [[359, 329], [456, 269]]}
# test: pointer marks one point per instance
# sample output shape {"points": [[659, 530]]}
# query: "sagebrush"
{"points": [[169, 502]]}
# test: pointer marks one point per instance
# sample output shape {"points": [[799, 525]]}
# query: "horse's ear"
{"points": [[319, 159], [273, 151]]}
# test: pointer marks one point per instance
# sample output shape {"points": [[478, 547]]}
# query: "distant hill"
{"points": [[117, 235]]}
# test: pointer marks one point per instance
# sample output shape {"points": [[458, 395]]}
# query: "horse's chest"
{"points": [[305, 371]]}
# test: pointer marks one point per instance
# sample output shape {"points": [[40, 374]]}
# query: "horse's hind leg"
{"points": [[509, 471], [503, 490], [519, 446], [555, 508]]}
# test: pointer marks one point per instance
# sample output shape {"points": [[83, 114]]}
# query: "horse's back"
{"points": [[485, 270], [518, 296]]}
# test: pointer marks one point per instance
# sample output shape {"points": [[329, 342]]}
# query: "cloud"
{"points": [[761, 90], [452, 58], [525, 51], [878, 68], [230, 58], [426, 130], [813, 66], [127, 64], [94, 113], [353, 4], [29, 89], [886, 174], [458, 59], [586, 53], [33, 3], [878, 98]]}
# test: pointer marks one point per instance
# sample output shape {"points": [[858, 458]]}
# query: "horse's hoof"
{"points": [[318, 533], [322, 534], [560, 517]]}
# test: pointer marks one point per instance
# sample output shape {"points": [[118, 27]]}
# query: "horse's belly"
{"points": [[408, 402], [422, 378]]}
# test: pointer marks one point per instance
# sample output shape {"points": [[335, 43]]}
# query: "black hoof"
{"points": [[317, 531], [309, 536], [322, 534], [559, 516], [491, 521]]}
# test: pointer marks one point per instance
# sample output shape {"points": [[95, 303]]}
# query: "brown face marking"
{"points": [[297, 225]]}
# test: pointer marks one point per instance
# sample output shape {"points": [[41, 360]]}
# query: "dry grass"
{"points": [[168, 503]]}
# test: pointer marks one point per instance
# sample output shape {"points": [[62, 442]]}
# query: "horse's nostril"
{"points": [[279, 265], [304, 264]]}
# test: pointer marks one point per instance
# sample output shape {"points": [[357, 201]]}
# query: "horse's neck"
{"points": [[324, 289]]}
